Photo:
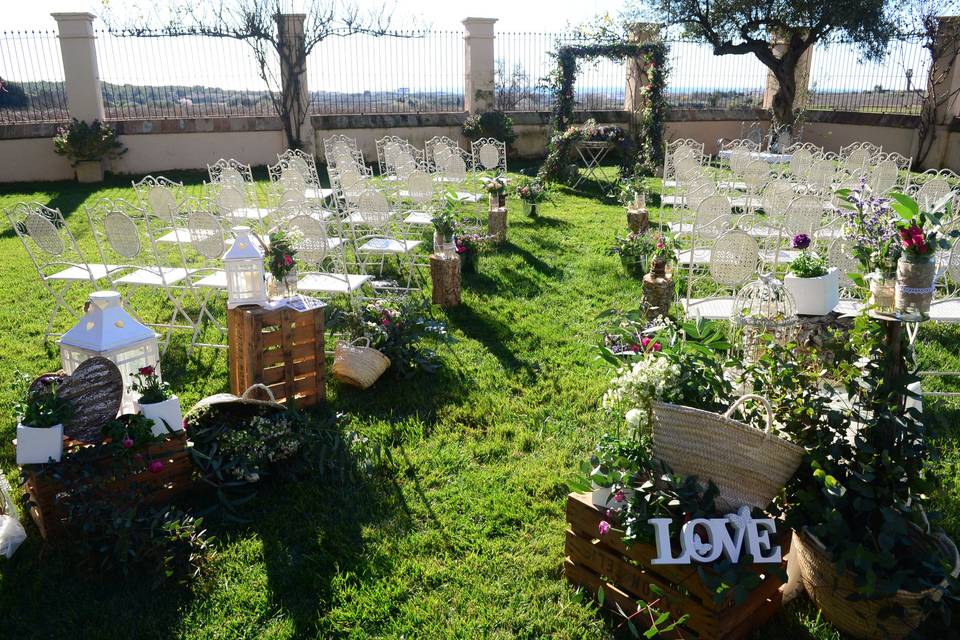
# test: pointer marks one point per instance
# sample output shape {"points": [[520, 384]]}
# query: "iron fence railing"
{"points": [[31, 78], [698, 79], [159, 76], [402, 72]]}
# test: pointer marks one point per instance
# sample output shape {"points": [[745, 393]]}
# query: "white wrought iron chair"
{"points": [[733, 262]]}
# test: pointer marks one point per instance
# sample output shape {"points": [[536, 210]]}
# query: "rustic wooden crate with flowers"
{"points": [[598, 560]]}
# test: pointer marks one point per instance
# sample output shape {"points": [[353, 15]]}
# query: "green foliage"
{"points": [[809, 264], [445, 220], [146, 382], [402, 329], [921, 232], [38, 407], [80, 141], [631, 189], [490, 124], [281, 253], [634, 250]]}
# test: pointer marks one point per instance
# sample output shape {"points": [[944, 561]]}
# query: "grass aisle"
{"points": [[461, 538]]}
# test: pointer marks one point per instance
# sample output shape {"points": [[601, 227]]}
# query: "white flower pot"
{"points": [[167, 411], [38, 445], [814, 296], [602, 494]]}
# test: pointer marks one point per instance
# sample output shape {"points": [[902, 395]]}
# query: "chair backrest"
{"points": [[883, 177], [821, 175], [302, 162], [291, 178], [44, 235], [734, 258], [756, 174], [229, 200], [456, 169], [421, 187], [712, 216], [840, 255], [800, 162], [230, 172], [933, 193], [373, 208], [438, 150], [489, 154], [776, 197], [856, 161], [121, 232], [207, 236], [311, 245], [740, 156], [803, 215]]}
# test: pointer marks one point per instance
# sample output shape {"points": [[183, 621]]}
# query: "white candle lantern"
{"points": [[243, 264], [107, 330]]}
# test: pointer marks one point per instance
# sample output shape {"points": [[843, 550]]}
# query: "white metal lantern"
{"points": [[243, 264], [107, 330], [764, 307]]}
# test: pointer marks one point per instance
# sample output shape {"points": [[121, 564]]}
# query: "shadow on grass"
{"points": [[492, 334]]}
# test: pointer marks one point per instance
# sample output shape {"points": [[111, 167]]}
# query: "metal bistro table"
{"points": [[592, 154]]}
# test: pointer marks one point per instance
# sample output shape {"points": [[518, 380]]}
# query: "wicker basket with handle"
{"points": [[358, 366], [748, 466], [888, 618]]}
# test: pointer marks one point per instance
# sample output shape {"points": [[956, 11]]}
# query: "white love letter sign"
{"points": [[720, 540]]}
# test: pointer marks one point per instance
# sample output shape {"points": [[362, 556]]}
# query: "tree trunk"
{"points": [[783, 112]]}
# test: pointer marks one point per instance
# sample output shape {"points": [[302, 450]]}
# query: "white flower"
{"points": [[648, 379], [635, 417]]}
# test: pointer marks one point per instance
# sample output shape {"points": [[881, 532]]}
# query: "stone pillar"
{"points": [[293, 71], [945, 71], [802, 75], [478, 86], [80, 71], [637, 78]]}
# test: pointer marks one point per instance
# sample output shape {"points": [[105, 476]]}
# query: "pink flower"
{"points": [[619, 495], [155, 466], [127, 442], [645, 341], [604, 527], [656, 346], [660, 243], [635, 347], [146, 371], [287, 261]]}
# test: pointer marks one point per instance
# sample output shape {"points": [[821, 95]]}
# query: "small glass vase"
{"points": [[498, 200], [915, 285], [282, 288], [882, 292], [443, 245], [530, 208], [635, 266]]}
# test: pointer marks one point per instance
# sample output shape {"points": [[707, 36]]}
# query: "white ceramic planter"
{"points": [[814, 296], [167, 411], [90, 171], [39, 445], [602, 494]]}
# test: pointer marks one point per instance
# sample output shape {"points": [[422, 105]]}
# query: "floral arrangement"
{"points": [[920, 232], [649, 378], [128, 437], [470, 247], [632, 190], [869, 223], [665, 248], [445, 222], [146, 381], [80, 142], [401, 329], [39, 406], [261, 442], [634, 249], [809, 264], [281, 253], [531, 190], [495, 185]]}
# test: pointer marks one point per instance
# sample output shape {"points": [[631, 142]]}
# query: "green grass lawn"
{"points": [[461, 535]]}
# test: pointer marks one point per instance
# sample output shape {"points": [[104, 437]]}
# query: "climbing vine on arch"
{"points": [[646, 152]]}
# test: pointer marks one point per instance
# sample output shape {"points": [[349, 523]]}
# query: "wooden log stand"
{"points": [[497, 224], [627, 576], [280, 348], [658, 291], [638, 220], [445, 276], [49, 499]]}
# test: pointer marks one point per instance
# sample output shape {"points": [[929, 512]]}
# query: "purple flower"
{"points": [[155, 466], [127, 442], [801, 241], [604, 527], [619, 496]]}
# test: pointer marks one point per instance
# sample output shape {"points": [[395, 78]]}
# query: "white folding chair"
{"points": [[733, 262]]}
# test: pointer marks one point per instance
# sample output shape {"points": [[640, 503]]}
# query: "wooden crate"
{"points": [[626, 575], [280, 348], [49, 504]]}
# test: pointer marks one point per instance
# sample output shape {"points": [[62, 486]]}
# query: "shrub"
{"points": [[80, 142], [491, 124]]}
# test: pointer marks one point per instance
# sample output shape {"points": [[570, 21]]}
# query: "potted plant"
{"points": [[156, 402], [814, 285], [920, 236], [531, 193], [86, 146], [634, 250], [40, 417], [280, 262], [869, 225], [444, 225], [490, 124], [496, 188], [469, 247]]}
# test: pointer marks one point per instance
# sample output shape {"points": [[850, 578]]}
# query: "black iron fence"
{"points": [[420, 72], [31, 78]]}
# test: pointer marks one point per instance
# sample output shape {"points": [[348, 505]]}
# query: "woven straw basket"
{"points": [[748, 466], [889, 618], [247, 398], [358, 366]]}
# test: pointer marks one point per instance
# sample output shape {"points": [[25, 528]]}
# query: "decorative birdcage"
{"points": [[764, 309]]}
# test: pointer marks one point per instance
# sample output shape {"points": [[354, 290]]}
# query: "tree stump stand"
{"points": [[658, 291], [445, 276], [638, 220], [497, 224]]}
